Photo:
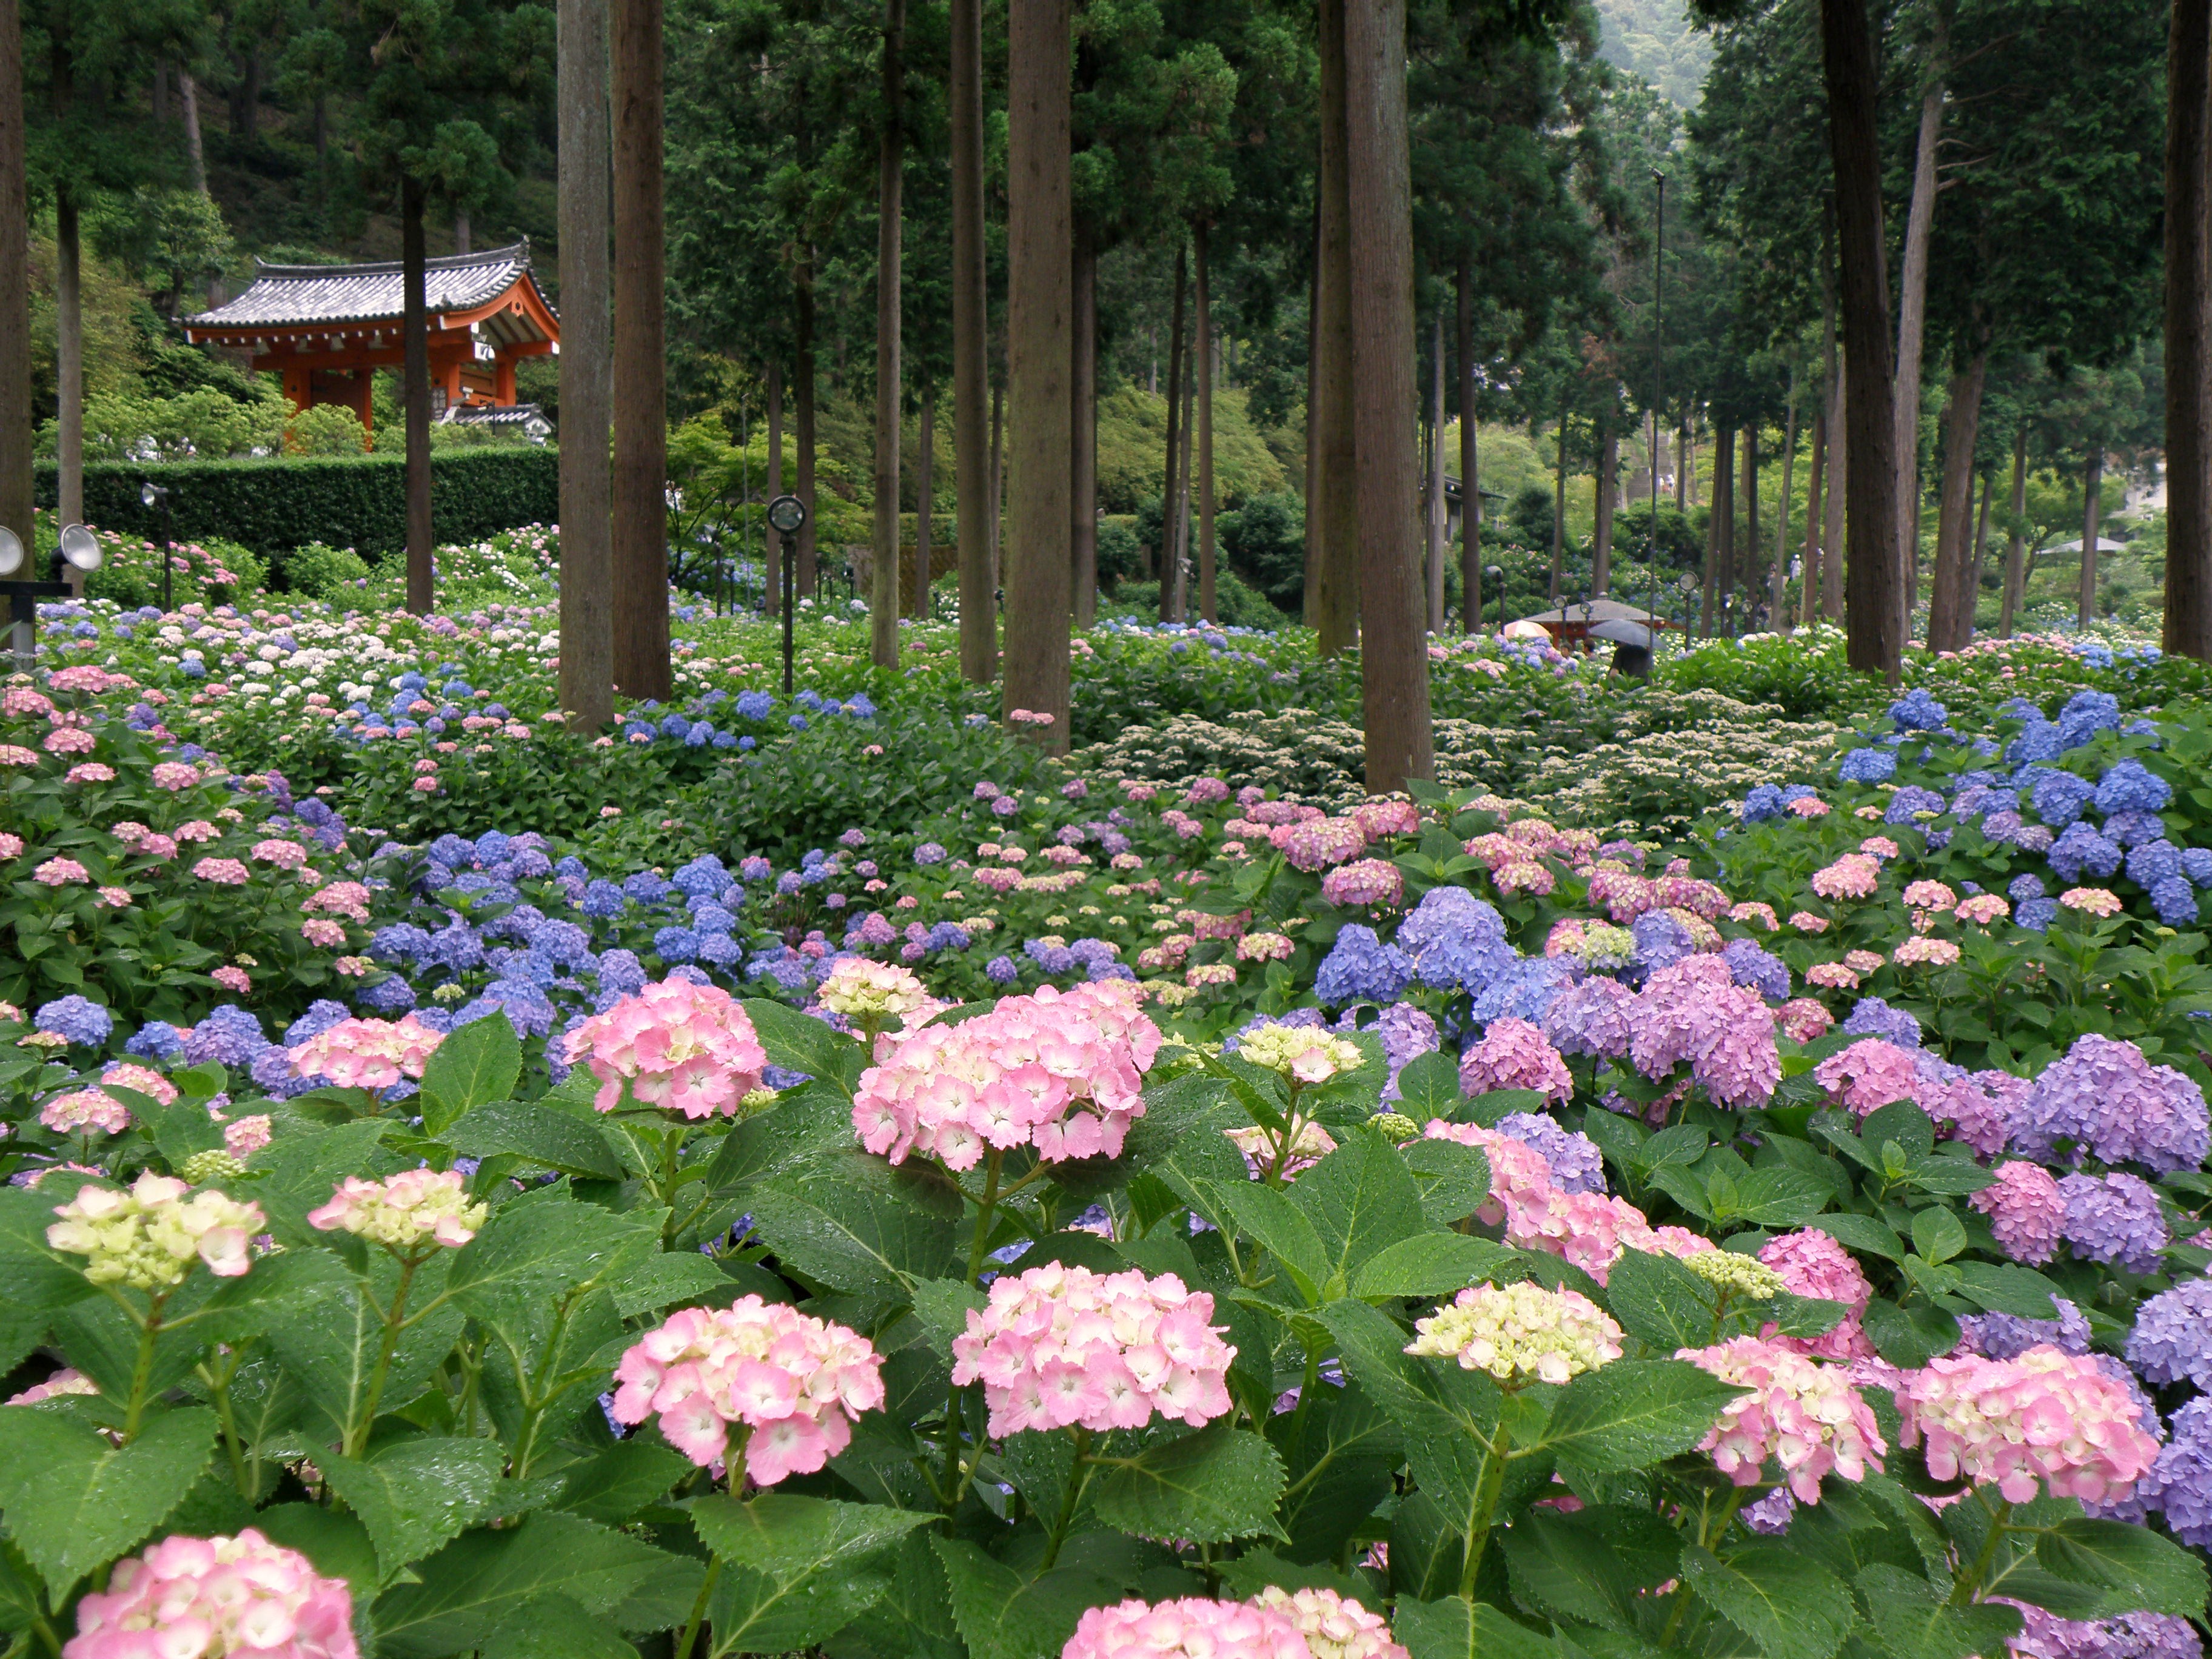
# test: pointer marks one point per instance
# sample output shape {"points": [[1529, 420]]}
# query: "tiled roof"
{"points": [[286, 296]]}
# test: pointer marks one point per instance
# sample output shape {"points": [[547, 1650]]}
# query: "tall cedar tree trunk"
{"points": [[1337, 494], [890, 172], [1438, 518], [1748, 553], [68, 304], [188, 91], [642, 668], [1609, 465], [1913, 315], [461, 234], [1808, 600], [1831, 523], [1981, 554], [806, 566], [2015, 572], [15, 286], [1950, 597], [1038, 343], [1777, 598], [1686, 467], [979, 617], [1083, 430], [1720, 532], [2188, 629], [1181, 611], [586, 369], [414, 324], [771, 537], [2092, 503], [1394, 662], [1558, 500], [1873, 613], [1172, 486], [1202, 351], [1470, 479], [996, 512], [1310, 596], [925, 457]]}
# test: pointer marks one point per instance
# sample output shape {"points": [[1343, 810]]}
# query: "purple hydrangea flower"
{"points": [[2131, 828], [1595, 1016], [1578, 1166], [2172, 1338], [1872, 1017], [1454, 941], [2114, 1218], [1762, 970], [1360, 968], [1000, 970], [928, 853], [2059, 797], [388, 996], [2179, 1484], [1523, 989], [2082, 849], [2007, 1336], [229, 1036], [83, 1021], [1661, 940], [2105, 1097], [1908, 803], [2151, 862], [155, 1040], [2129, 1636]]}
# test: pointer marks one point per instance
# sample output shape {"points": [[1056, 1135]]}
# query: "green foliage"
{"points": [[324, 572]]}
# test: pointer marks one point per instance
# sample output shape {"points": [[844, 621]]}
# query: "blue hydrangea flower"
{"points": [[2175, 901], [2024, 887], [1868, 766], [1763, 802], [2038, 740], [321, 1015], [1761, 970], [1523, 989], [1000, 970], [1360, 968], [2059, 797], [755, 705], [2114, 1218], [1908, 803], [603, 901], [2007, 1336], [2129, 785], [1576, 1164], [2133, 828], [451, 851], [1916, 711], [229, 1036], [155, 1040], [2171, 1341], [2151, 862], [704, 877], [1661, 940], [646, 888], [2037, 914], [676, 944], [620, 971], [83, 1022], [1871, 1016], [948, 936], [1454, 941], [2085, 715], [2082, 849], [387, 996]]}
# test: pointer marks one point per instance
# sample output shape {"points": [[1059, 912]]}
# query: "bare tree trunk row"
{"points": [[890, 174], [2188, 627], [1951, 593], [15, 289], [1202, 350], [1335, 508], [1171, 487], [414, 324], [1470, 481], [2015, 576], [976, 508], [586, 557], [1083, 419], [639, 543]]}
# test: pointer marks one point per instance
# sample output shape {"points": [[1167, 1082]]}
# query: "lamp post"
{"points": [[79, 550], [1497, 574], [787, 514], [154, 494]]}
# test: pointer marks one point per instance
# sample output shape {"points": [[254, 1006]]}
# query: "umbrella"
{"points": [[1623, 632]]}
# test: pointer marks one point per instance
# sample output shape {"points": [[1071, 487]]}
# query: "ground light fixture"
{"points": [[23, 595], [787, 514], [154, 494]]}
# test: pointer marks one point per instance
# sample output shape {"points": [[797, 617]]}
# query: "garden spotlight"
{"points": [[787, 514], [23, 596], [154, 494]]}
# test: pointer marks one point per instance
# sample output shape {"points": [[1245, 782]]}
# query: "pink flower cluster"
{"points": [[367, 1053], [689, 1049], [1334, 1628], [1627, 896], [1193, 1628], [1854, 876], [88, 1111], [1869, 1074], [1062, 1071], [1513, 1054], [1692, 1011], [206, 1598], [1365, 881], [1813, 1264], [1060, 1346], [1319, 843], [401, 1211], [796, 1383], [2025, 1209], [2046, 1415], [1804, 1415]]}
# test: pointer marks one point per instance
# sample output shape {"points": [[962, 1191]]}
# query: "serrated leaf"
{"points": [[803, 1127], [416, 1495], [472, 1066], [796, 1570], [912, 1620], [942, 1306], [1634, 1412], [1453, 1180], [335, 1541], [800, 1042], [1445, 1414], [614, 1486], [477, 1582], [1775, 1197], [1003, 1615], [2004, 1287], [555, 1626], [538, 1247], [329, 1347], [1860, 1233], [1792, 1606], [855, 1240], [72, 1502], [1429, 1265], [1661, 1303], [1339, 1456], [1361, 1200], [1283, 1230], [1455, 1628], [1428, 1086], [1915, 1623], [2134, 1567], [37, 1277], [539, 1134], [1909, 1337], [1209, 1487], [663, 1279]]}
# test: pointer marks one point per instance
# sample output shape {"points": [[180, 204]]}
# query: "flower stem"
{"points": [[395, 1318], [1078, 1476], [699, 1608], [142, 1369], [1484, 1506], [1965, 1590]]}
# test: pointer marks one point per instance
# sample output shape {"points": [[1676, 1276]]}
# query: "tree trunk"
{"points": [[1745, 567], [1171, 479], [1180, 606], [1083, 429], [1559, 498], [1608, 465], [1980, 560], [642, 668], [1833, 596], [414, 324], [979, 620], [68, 359], [1720, 532], [1038, 347], [161, 92], [771, 537], [1341, 584], [2188, 627], [997, 514], [461, 231], [1438, 517], [806, 564], [195, 152], [1393, 661], [924, 482], [1470, 478], [586, 367], [1913, 305], [890, 172], [1870, 448], [15, 287], [320, 120], [1202, 351], [2092, 503], [1950, 596], [1310, 595], [1808, 600], [2015, 576], [1777, 601], [245, 103]]}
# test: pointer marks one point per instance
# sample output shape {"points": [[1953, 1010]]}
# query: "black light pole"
{"points": [[787, 514], [1497, 574], [154, 494], [1658, 389]]}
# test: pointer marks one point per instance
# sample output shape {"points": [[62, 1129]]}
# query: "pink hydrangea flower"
{"points": [[2094, 901], [213, 1597], [124, 1074], [1805, 922], [89, 772], [60, 872], [64, 1382], [2025, 1209], [1388, 816], [91, 1111], [11, 847], [1929, 896], [1879, 847], [1364, 882], [224, 872], [1813, 1264], [1590, 1231], [69, 741], [349, 899], [1802, 1019], [1870, 1073], [687, 1047], [1983, 909], [1192, 1628], [1334, 1628], [1804, 1415], [174, 776], [403, 1211], [1934, 952], [21, 701], [1513, 1054], [322, 931], [367, 1053], [1754, 915], [1060, 1070], [1854, 876], [243, 1137], [1519, 1174], [1061, 1346], [795, 1383], [2045, 1415], [232, 979], [284, 854], [114, 898], [1319, 842], [1810, 807]]}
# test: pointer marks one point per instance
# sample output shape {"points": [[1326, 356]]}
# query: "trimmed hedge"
{"points": [[359, 501]]}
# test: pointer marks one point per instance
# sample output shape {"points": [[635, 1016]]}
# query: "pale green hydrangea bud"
{"points": [[1745, 1275], [1397, 1126], [150, 1236], [1520, 1333], [1299, 1053], [214, 1164]]}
